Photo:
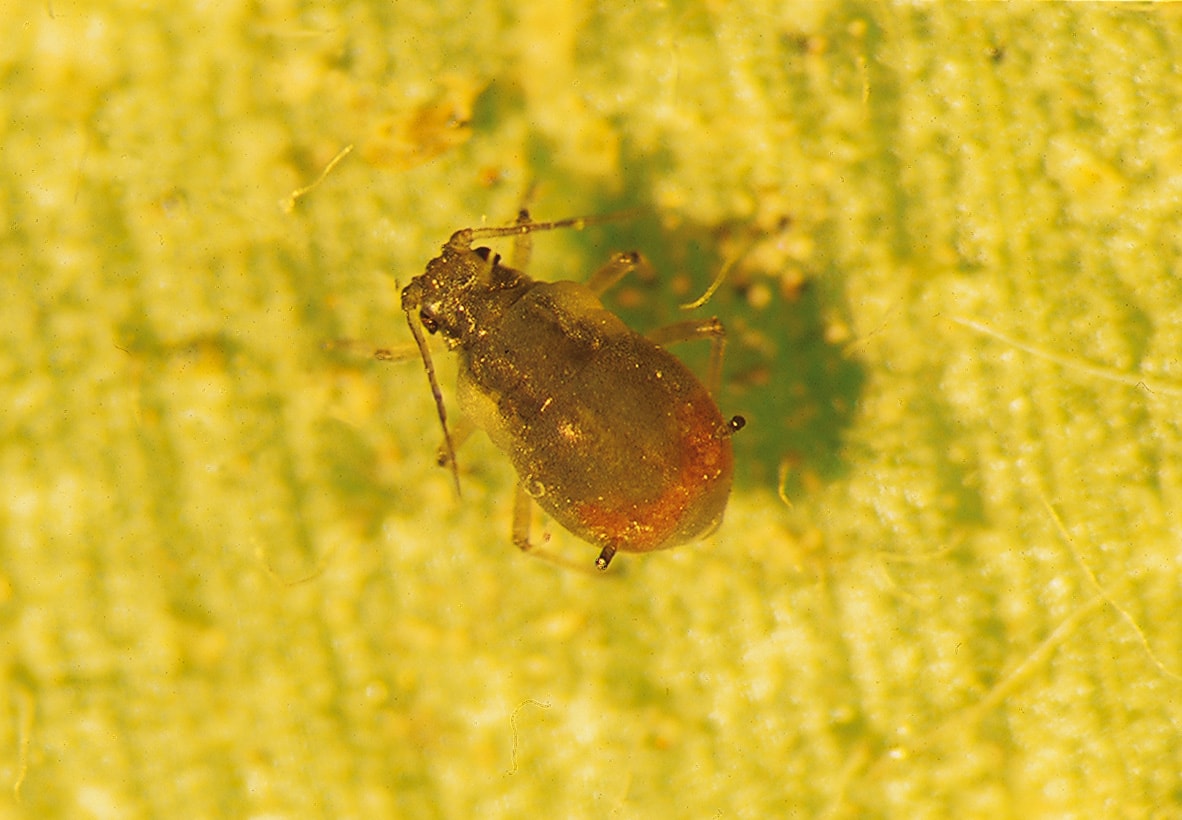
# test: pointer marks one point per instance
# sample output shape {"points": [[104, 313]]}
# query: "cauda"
{"points": [[609, 432]]}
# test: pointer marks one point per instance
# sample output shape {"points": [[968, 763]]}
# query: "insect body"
{"points": [[609, 433]]}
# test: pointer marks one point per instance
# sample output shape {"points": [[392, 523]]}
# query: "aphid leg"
{"points": [[523, 243], [395, 354], [522, 523], [522, 517], [354, 348], [690, 330], [713, 330], [619, 266], [461, 429]]}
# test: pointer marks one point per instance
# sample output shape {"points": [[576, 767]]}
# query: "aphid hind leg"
{"points": [[522, 524], [713, 330], [688, 331], [619, 266]]}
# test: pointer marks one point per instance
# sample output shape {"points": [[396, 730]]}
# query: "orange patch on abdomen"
{"points": [[689, 504]]}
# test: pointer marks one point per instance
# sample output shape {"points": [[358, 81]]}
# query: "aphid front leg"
{"points": [[395, 354], [357, 349]]}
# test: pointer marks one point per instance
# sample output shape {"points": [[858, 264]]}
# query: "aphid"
{"points": [[609, 433]]}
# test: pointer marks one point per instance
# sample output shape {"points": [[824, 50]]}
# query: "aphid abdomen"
{"points": [[610, 433]]}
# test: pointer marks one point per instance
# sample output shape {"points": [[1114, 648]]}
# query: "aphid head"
{"points": [[442, 296]]}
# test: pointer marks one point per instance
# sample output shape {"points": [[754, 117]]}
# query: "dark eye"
{"points": [[483, 253], [428, 321]]}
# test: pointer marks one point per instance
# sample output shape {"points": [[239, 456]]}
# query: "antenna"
{"points": [[425, 354], [576, 222]]}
